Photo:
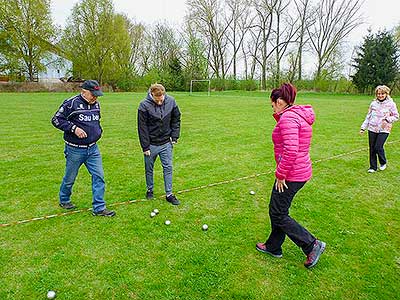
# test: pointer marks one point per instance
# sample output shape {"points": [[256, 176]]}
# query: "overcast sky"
{"points": [[378, 14], [148, 11]]}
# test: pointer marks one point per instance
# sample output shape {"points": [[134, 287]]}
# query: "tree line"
{"points": [[225, 40]]}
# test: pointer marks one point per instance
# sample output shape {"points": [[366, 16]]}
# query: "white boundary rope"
{"points": [[179, 192]]}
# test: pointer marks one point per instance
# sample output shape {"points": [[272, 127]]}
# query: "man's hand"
{"points": [[362, 131], [147, 153], [280, 185], [80, 133]]}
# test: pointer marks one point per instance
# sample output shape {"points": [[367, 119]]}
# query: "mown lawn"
{"points": [[225, 136]]}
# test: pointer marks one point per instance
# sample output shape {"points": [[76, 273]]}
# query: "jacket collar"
{"points": [[278, 115]]}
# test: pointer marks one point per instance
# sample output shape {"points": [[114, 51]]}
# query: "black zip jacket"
{"points": [[158, 124], [77, 112]]}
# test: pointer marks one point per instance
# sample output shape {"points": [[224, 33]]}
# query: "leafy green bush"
{"points": [[341, 85], [180, 83], [218, 84], [248, 85], [232, 84]]}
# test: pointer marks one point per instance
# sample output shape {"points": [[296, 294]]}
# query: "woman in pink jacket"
{"points": [[291, 137]]}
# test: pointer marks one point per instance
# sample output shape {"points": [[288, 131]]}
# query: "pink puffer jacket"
{"points": [[292, 138]]}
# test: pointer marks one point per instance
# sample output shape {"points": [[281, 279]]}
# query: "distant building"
{"points": [[57, 67]]}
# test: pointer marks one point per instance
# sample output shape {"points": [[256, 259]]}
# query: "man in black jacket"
{"points": [[159, 121], [79, 118]]}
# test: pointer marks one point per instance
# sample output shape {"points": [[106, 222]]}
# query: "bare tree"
{"points": [[250, 52], [137, 36], [285, 32], [292, 60], [165, 45], [145, 52], [238, 21], [261, 32], [194, 58], [152, 47], [335, 19], [208, 18], [305, 18]]}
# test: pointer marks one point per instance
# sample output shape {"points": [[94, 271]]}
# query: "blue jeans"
{"points": [[91, 157], [165, 153]]}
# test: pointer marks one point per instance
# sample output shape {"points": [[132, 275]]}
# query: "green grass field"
{"points": [[225, 136]]}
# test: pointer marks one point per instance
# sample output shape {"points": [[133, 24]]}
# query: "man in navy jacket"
{"points": [[79, 118], [159, 121]]}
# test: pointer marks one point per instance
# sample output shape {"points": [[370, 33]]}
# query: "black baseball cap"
{"points": [[92, 86]]}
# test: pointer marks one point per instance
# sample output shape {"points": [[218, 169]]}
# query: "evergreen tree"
{"points": [[376, 62], [177, 80]]}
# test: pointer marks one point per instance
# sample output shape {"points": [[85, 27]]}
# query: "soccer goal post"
{"points": [[200, 80]]}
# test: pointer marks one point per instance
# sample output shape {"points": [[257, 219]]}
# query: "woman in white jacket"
{"points": [[381, 115]]}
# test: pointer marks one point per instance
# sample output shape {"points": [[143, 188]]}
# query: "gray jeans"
{"points": [[165, 153]]}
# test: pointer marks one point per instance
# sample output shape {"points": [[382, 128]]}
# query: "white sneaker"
{"points": [[382, 167], [371, 171]]}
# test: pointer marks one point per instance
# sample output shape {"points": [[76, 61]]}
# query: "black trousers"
{"points": [[282, 224], [376, 142]]}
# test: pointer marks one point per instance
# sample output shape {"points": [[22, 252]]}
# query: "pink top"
{"points": [[381, 116], [292, 138]]}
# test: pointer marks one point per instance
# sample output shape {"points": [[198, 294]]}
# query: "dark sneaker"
{"points": [[262, 248], [104, 213], [67, 205], [313, 256], [149, 195], [172, 199]]}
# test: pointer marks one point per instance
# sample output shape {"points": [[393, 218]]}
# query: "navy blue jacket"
{"points": [[77, 112], [158, 124]]}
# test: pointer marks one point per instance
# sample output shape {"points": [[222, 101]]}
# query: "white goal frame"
{"points": [[194, 80]]}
